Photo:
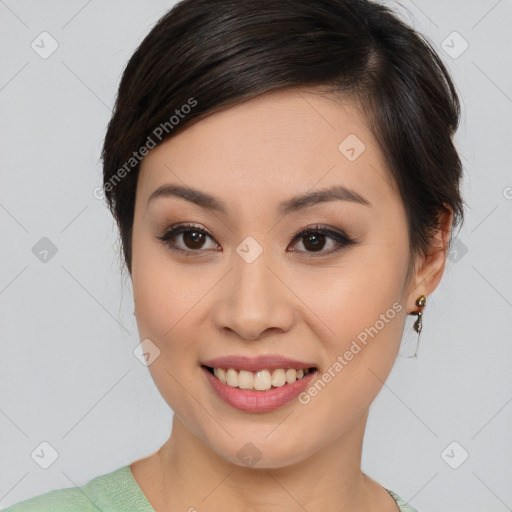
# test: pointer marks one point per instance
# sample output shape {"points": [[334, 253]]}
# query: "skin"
{"points": [[251, 157]]}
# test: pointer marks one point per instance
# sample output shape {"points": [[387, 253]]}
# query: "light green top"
{"points": [[117, 491]]}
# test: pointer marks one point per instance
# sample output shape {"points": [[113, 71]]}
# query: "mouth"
{"points": [[259, 391], [261, 380]]}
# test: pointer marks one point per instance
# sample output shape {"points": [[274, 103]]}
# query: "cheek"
{"points": [[365, 314], [364, 289], [164, 293], [170, 299], [164, 307]]}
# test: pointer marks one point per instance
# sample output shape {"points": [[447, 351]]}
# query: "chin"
{"points": [[263, 451]]}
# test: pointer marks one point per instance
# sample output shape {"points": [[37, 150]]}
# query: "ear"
{"points": [[429, 268]]}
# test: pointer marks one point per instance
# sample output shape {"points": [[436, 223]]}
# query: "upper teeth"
{"points": [[261, 380]]}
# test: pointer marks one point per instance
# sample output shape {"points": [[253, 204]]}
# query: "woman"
{"points": [[285, 184]]}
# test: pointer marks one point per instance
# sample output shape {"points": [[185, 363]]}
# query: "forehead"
{"points": [[271, 147]]}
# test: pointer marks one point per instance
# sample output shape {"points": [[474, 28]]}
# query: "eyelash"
{"points": [[340, 238]]}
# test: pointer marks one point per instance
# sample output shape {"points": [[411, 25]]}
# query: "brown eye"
{"points": [[193, 238], [314, 240]]}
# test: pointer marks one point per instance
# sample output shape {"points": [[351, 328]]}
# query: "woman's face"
{"points": [[248, 286]]}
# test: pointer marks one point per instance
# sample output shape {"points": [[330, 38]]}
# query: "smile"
{"points": [[259, 391]]}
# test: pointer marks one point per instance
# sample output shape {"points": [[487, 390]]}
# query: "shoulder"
{"points": [[402, 505], [98, 494], [59, 500]]}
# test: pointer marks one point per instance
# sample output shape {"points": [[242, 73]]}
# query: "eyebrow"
{"points": [[296, 203]]}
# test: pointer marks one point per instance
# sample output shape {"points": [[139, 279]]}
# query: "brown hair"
{"points": [[212, 54]]}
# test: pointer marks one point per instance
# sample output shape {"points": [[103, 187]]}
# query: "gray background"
{"points": [[68, 375]]}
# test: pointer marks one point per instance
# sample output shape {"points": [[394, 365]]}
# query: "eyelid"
{"points": [[340, 238], [177, 229], [319, 228]]}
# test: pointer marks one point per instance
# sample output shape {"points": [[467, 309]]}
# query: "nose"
{"points": [[254, 299]]}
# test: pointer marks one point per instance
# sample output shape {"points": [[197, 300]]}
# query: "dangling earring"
{"points": [[407, 341], [420, 302]]}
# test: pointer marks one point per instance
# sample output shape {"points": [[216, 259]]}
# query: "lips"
{"points": [[257, 401]]}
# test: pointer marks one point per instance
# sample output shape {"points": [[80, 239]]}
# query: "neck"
{"points": [[187, 474]]}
